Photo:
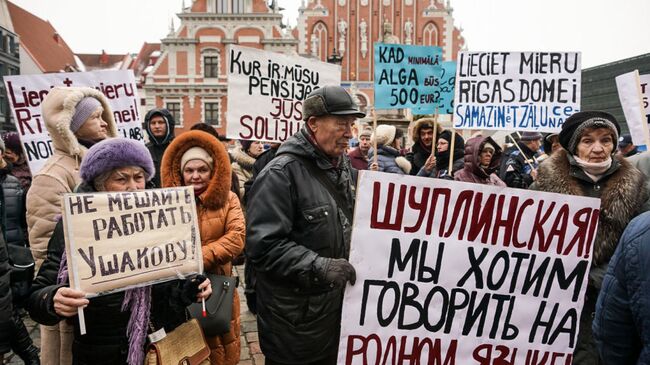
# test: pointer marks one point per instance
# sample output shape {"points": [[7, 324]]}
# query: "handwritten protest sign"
{"points": [[26, 92], [523, 91], [120, 240], [266, 90], [645, 94], [445, 103], [632, 101], [407, 77], [464, 273]]}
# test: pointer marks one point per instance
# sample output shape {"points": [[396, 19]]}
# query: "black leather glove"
{"points": [[191, 287], [334, 271]]}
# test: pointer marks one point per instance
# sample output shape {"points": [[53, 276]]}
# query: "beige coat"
{"points": [[61, 171], [242, 165]]}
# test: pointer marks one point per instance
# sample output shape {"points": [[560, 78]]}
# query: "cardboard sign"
{"points": [[26, 92], [120, 240], [464, 273], [634, 106], [266, 90], [407, 77], [520, 91]]}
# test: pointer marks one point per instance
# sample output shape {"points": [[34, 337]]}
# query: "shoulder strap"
{"points": [[319, 174]]}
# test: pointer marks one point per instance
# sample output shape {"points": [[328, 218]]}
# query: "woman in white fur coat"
{"points": [[388, 156]]}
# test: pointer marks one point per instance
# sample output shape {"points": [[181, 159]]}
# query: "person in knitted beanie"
{"points": [[588, 166], [118, 323]]}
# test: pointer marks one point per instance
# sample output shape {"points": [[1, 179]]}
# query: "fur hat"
{"points": [[114, 153], [196, 153], [384, 134], [575, 125]]}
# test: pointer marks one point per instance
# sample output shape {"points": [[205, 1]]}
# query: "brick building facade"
{"points": [[189, 78], [349, 28]]}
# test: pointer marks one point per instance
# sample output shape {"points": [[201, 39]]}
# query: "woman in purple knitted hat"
{"points": [[117, 324]]}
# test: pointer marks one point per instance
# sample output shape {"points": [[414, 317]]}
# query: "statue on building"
{"points": [[343, 28], [408, 31], [363, 28], [388, 36], [314, 45]]}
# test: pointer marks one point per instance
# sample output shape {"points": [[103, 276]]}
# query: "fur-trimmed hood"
{"points": [[473, 148], [242, 158], [421, 123], [58, 109], [216, 195], [622, 196]]}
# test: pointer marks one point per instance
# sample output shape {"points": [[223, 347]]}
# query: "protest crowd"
{"points": [[289, 212]]}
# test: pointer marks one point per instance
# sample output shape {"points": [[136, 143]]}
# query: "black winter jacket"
{"points": [[292, 220], [515, 169], [105, 341], [6, 306], [418, 157], [157, 146], [12, 209]]}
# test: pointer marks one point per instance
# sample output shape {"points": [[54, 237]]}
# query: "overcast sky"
{"points": [[603, 30]]}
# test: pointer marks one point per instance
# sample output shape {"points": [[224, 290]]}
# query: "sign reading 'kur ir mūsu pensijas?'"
{"points": [[266, 91], [464, 273]]}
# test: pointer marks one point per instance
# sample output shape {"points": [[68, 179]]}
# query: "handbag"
{"points": [[218, 306], [185, 345]]}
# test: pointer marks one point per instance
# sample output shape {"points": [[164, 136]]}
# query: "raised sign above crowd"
{"points": [[464, 273], [266, 90], [520, 91], [26, 92], [408, 77]]}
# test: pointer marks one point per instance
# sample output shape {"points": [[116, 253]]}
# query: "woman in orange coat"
{"points": [[197, 159]]}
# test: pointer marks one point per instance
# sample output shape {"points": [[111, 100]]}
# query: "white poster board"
{"points": [[26, 93], [120, 240], [266, 90], [460, 273], [645, 95], [519, 91], [631, 97]]}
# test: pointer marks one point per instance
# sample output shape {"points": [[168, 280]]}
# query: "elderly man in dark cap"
{"points": [[518, 165], [299, 230]]}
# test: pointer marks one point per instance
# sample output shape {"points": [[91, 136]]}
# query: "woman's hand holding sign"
{"points": [[67, 301]]}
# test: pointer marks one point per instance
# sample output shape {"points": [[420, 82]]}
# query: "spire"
{"points": [[171, 28]]}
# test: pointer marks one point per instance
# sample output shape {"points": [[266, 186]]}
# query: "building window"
{"points": [[222, 6], [230, 6], [211, 113], [237, 6], [211, 66], [430, 35], [319, 42], [175, 110]]}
